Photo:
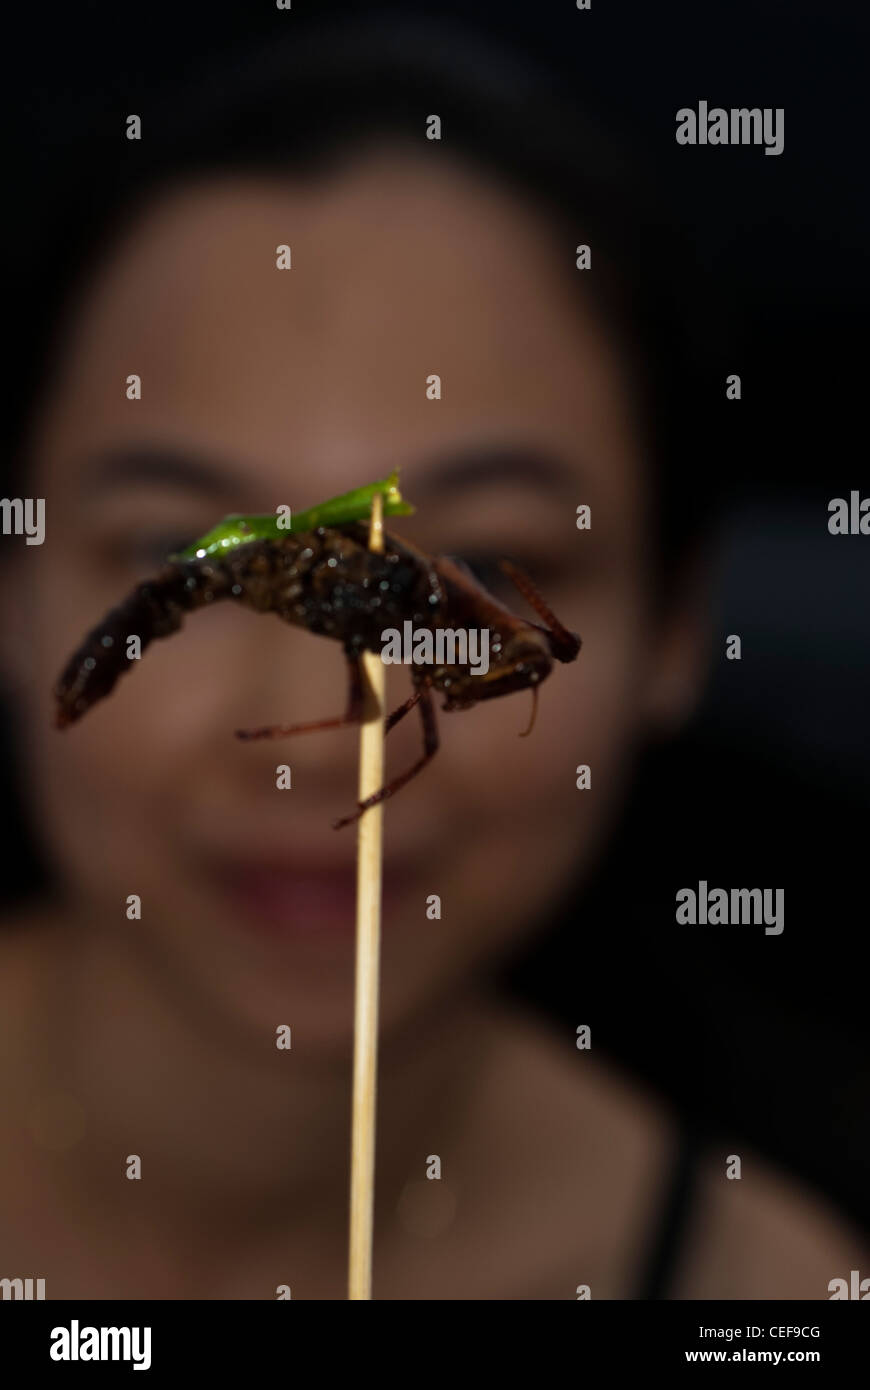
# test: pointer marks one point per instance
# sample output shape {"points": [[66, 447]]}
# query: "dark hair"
{"points": [[309, 103]]}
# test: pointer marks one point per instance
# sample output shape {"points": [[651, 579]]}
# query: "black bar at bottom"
{"points": [[168, 1339]]}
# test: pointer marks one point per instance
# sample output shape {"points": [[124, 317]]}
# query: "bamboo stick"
{"points": [[368, 933]]}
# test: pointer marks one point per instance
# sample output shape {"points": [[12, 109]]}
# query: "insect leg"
{"points": [[565, 644], [353, 714], [397, 714], [422, 697]]}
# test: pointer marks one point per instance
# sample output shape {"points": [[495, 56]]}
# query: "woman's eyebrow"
{"points": [[126, 464], [470, 468]]}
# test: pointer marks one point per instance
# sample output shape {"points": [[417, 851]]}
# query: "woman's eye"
{"points": [[486, 571], [165, 544], [147, 550], [486, 568]]}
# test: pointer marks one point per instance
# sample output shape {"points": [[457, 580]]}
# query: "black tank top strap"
{"points": [[673, 1219]]}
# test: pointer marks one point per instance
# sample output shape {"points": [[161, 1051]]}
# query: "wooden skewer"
{"points": [[368, 948]]}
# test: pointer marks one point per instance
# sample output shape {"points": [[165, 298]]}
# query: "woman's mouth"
{"points": [[296, 900]]}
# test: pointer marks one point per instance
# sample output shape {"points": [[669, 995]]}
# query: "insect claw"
{"points": [[524, 733], [565, 645]]}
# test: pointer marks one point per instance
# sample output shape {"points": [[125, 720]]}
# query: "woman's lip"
{"points": [[297, 900]]}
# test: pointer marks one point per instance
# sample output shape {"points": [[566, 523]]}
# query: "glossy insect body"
{"points": [[329, 582], [326, 581]]}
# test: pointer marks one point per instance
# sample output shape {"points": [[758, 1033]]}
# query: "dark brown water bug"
{"points": [[328, 581]]}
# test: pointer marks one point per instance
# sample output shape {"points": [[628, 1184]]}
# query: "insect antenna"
{"points": [[525, 733], [565, 644]]}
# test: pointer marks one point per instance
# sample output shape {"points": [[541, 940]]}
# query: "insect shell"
{"points": [[329, 582]]}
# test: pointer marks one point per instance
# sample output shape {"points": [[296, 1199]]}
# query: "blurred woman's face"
{"points": [[260, 387]]}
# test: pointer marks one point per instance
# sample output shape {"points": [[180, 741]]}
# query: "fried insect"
{"points": [[329, 582]]}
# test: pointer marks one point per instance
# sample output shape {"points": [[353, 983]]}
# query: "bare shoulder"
{"points": [[17, 967], [590, 1150], [27, 941], [764, 1235], [596, 1151]]}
